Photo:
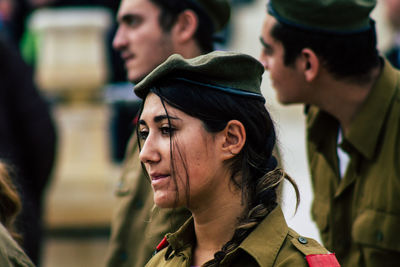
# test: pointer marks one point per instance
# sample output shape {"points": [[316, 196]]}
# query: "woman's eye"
{"points": [[167, 130], [143, 135]]}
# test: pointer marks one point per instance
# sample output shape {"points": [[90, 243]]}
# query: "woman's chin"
{"points": [[164, 202]]}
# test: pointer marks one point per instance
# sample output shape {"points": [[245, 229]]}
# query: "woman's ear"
{"points": [[234, 138], [310, 64], [185, 26]]}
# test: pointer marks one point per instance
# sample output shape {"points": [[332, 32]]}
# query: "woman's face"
{"points": [[195, 155]]}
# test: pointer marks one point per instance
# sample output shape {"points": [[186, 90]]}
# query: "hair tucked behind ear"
{"points": [[10, 203], [253, 170]]}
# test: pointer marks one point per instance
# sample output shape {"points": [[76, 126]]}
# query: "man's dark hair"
{"points": [[170, 11], [349, 56]]}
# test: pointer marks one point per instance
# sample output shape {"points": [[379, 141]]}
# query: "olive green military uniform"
{"points": [[11, 255], [138, 227], [271, 243], [359, 215]]}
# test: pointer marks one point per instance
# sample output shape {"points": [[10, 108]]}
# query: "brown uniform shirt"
{"points": [[137, 225], [359, 215], [11, 254], [271, 243]]}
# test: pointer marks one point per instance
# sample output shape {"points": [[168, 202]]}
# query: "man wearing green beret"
{"points": [[323, 54], [149, 32]]}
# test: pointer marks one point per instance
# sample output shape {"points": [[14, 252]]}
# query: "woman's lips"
{"points": [[157, 177], [159, 180]]}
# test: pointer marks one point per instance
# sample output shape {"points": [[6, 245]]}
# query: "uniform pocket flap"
{"points": [[377, 229]]}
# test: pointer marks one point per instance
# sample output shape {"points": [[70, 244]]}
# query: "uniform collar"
{"points": [[182, 239], [368, 123], [322, 131], [270, 233], [320, 124], [266, 239]]}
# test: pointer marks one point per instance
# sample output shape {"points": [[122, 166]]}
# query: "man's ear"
{"points": [[233, 139], [310, 64], [185, 26]]}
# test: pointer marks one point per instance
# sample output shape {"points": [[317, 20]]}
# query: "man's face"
{"points": [[140, 39], [286, 80]]}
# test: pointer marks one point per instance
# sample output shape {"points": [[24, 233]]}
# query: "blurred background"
{"points": [[68, 46]]}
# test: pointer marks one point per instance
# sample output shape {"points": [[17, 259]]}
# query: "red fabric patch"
{"points": [[322, 260], [164, 243]]}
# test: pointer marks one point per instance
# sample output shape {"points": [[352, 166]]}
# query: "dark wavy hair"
{"points": [[170, 11], [255, 164]]}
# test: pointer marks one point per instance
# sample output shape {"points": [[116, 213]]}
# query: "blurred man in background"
{"points": [[27, 143], [323, 54], [149, 32]]}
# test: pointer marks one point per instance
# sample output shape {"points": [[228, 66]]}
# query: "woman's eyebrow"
{"points": [[158, 119], [142, 122], [163, 117]]}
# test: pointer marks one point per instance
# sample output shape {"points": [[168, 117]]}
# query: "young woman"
{"points": [[206, 142], [11, 255]]}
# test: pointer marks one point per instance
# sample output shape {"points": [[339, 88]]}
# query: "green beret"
{"points": [[334, 16], [218, 10], [229, 72]]}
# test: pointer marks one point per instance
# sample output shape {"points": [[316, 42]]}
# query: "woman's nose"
{"points": [[149, 152]]}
